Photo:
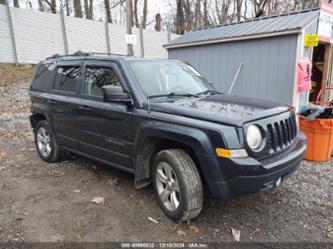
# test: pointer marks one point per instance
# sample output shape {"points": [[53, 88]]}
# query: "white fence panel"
{"points": [[117, 39], [85, 35], [153, 44], [38, 35], [6, 49], [137, 47]]}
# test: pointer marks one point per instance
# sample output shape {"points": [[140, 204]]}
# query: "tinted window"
{"points": [[67, 77], [44, 76], [96, 78]]}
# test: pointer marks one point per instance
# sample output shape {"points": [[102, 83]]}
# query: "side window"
{"points": [[44, 76], [96, 77], [67, 78]]}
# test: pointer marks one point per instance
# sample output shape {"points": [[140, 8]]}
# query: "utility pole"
{"points": [[129, 19]]}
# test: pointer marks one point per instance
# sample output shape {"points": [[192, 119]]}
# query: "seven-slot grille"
{"points": [[281, 133]]}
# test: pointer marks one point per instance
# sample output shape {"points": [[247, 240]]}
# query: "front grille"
{"points": [[281, 134]]}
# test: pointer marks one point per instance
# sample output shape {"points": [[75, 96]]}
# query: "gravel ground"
{"points": [[52, 202]]}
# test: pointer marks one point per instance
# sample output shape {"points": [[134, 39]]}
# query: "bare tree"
{"points": [[135, 13], [77, 8], [158, 22], [89, 9], [205, 13], [180, 20], [238, 9], [107, 11], [129, 24], [197, 14], [222, 9], [41, 6], [67, 7], [144, 14], [52, 5], [16, 3]]}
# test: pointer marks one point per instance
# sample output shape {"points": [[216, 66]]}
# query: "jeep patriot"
{"points": [[163, 122]]}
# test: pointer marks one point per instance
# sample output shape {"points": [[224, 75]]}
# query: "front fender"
{"points": [[195, 138]]}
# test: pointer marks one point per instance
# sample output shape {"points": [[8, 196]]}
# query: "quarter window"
{"points": [[96, 78], [67, 78]]}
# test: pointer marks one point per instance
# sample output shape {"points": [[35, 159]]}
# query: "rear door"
{"points": [[64, 102], [105, 128]]}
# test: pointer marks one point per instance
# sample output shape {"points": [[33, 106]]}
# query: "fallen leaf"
{"points": [[180, 232], [76, 190], [235, 234], [58, 173], [152, 220], [98, 200], [194, 229]]}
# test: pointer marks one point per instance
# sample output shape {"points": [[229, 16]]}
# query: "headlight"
{"points": [[253, 137]]}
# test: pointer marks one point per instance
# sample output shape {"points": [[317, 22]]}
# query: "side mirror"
{"points": [[115, 94]]}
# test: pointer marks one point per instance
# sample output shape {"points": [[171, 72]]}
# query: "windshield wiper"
{"points": [[208, 91], [173, 94], [169, 95]]}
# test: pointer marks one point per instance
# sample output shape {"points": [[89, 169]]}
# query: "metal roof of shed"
{"points": [[266, 26]]}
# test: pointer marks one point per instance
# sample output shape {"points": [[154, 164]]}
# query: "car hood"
{"points": [[221, 108]]}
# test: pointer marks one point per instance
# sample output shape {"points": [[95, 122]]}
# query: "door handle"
{"points": [[84, 108], [51, 101]]}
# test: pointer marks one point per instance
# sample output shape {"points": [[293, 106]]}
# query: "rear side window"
{"points": [[44, 76], [96, 77], [67, 78]]}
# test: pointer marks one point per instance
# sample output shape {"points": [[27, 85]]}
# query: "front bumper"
{"points": [[247, 175]]}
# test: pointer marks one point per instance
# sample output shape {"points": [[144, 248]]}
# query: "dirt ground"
{"points": [[52, 202]]}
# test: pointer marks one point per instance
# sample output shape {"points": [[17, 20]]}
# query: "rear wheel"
{"points": [[46, 145], [177, 184]]}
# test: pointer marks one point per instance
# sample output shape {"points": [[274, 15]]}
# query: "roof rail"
{"points": [[80, 53]]}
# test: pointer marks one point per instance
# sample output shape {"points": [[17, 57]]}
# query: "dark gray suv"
{"points": [[166, 124]]}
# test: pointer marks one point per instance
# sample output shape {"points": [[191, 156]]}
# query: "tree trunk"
{"points": [[40, 6], [239, 4], [180, 24], [53, 7], [91, 9], [136, 17], [158, 20], [107, 11], [86, 8], [77, 8], [144, 14], [16, 3], [197, 14], [67, 7], [129, 24], [205, 14]]}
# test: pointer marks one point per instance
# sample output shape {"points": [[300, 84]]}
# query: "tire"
{"points": [[188, 193], [50, 152]]}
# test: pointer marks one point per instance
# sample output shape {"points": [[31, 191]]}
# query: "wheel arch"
{"points": [[153, 138]]}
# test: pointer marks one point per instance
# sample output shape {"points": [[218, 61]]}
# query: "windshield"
{"points": [[162, 78]]}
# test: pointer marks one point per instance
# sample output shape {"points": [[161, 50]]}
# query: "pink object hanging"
{"points": [[304, 68]]}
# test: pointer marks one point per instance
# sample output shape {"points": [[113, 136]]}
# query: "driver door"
{"points": [[105, 127]]}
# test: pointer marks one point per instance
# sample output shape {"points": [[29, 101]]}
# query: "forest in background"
{"points": [[179, 17]]}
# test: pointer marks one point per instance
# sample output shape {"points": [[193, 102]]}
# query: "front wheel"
{"points": [[177, 184], [47, 146]]}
